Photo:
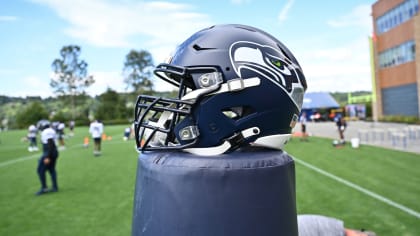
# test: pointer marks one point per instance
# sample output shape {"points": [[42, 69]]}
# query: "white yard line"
{"points": [[360, 189], [38, 154], [6, 163]]}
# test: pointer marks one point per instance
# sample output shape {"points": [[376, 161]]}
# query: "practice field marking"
{"points": [[37, 155], [360, 189], [6, 163]]}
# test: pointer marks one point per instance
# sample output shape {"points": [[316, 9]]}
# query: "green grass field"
{"points": [[369, 187]]}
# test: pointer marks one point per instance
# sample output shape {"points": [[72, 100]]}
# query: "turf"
{"points": [[391, 174], [96, 193]]}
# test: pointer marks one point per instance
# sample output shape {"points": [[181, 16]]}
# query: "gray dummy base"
{"points": [[247, 192]]}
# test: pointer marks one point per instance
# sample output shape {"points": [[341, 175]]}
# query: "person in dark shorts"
{"points": [[32, 132], [48, 159], [303, 120], [341, 126], [71, 127], [96, 129], [60, 133]]}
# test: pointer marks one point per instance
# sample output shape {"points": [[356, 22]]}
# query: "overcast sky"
{"points": [[329, 38]]}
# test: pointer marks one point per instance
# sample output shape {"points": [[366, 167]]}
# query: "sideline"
{"points": [[360, 189]]}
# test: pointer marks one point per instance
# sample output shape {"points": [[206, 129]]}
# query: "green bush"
{"points": [[400, 119], [82, 121], [31, 114], [117, 122]]}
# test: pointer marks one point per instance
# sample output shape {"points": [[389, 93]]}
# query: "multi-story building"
{"points": [[396, 57]]}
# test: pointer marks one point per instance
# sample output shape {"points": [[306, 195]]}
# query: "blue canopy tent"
{"points": [[318, 100], [315, 101]]}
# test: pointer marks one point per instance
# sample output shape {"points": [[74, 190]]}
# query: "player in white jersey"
{"points": [[96, 129]]}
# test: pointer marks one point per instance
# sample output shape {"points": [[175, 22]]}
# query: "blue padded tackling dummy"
{"points": [[246, 192]]}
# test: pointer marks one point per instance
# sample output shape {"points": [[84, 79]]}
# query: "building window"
{"points": [[397, 16], [397, 55]]}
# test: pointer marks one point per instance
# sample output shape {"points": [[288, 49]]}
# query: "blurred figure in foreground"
{"points": [[48, 159]]}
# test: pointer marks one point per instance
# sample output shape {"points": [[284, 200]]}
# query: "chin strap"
{"points": [[230, 143]]}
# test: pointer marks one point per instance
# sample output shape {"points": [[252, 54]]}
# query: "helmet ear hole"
{"points": [[230, 114], [236, 113]]}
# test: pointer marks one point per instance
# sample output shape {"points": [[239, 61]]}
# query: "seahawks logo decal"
{"points": [[270, 63]]}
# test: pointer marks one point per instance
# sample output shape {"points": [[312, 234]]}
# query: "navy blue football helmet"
{"points": [[237, 86], [43, 124]]}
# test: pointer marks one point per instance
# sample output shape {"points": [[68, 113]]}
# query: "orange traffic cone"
{"points": [[86, 142]]}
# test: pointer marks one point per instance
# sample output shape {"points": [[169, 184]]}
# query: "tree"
{"points": [[70, 75], [31, 114], [111, 106], [137, 71]]}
